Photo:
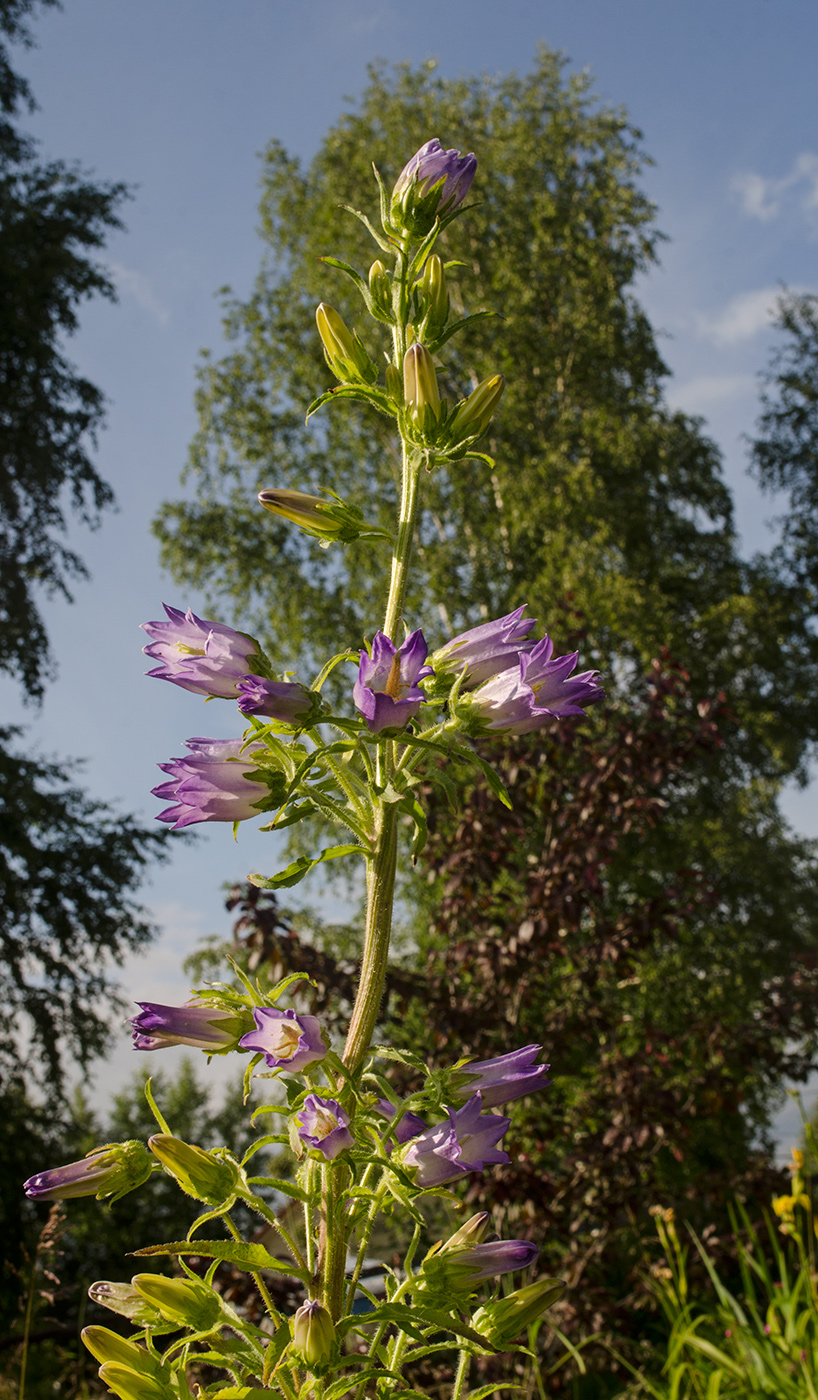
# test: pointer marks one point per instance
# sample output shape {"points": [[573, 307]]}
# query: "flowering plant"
{"points": [[359, 1150]]}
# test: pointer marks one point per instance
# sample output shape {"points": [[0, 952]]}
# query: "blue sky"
{"points": [[178, 97]]}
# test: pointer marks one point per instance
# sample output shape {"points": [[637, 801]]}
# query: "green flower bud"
{"points": [[328, 520], [107, 1346], [186, 1301], [380, 289], [313, 1334], [129, 1385], [435, 295], [420, 387], [473, 415], [505, 1318], [473, 1232], [394, 384], [344, 352], [122, 1298], [201, 1174]]}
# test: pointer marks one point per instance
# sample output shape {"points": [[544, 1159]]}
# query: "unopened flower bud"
{"points": [[420, 387], [505, 1318], [129, 1385], [380, 289], [394, 384], [186, 1301], [435, 297], [460, 1269], [328, 520], [313, 1333], [432, 184], [472, 417], [200, 1174], [108, 1346], [122, 1298], [344, 352], [109, 1171], [473, 1232]]}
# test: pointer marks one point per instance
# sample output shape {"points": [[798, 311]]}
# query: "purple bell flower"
{"points": [[204, 657], [535, 690], [287, 1041], [467, 1143], [410, 1124], [465, 1268], [485, 650], [109, 1171], [286, 701], [505, 1077], [323, 1126], [211, 786], [415, 202], [387, 691], [201, 1027]]}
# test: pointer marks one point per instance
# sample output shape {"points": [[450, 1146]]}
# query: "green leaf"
{"points": [[374, 397], [493, 779], [350, 272], [461, 325], [485, 1390], [347, 1383], [248, 1257], [296, 871]]}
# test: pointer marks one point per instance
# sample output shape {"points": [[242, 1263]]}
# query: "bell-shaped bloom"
{"points": [[387, 691], [203, 1175], [323, 1126], [212, 786], [109, 1171], [505, 1077], [286, 701], [486, 650], [201, 1027], [503, 1319], [286, 1041], [537, 689], [408, 1126], [433, 183], [204, 657], [448, 1151], [463, 1269], [313, 1333]]}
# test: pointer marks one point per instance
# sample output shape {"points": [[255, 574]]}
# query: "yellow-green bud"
{"points": [[201, 1174], [123, 1298], [129, 1385], [504, 1319], [313, 1333], [329, 520], [394, 384], [344, 352], [186, 1301], [420, 389], [473, 1232], [472, 417], [106, 1346], [380, 289], [435, 296]]}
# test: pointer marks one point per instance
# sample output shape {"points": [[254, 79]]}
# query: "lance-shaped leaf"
{"points": [[296, 871], [248, 1257]]}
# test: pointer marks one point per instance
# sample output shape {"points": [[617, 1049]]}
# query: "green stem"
{"points": [[256, 1277], [364, 1241], [462, 1375], [380, 885], [336, 1176], [403, 543]]}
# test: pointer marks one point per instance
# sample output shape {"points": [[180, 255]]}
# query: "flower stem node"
{"points": [[330, 521], [185, 1301], [112, 1171], [505, 1318], [313, 1334], [207, 1176], [432, 185], [344, 352]]}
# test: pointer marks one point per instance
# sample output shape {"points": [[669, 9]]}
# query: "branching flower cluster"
{"points": [[359, 1151]]}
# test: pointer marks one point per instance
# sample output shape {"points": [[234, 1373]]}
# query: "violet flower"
{"points": [[505, 1077], [323, 1126], [212, 786], [109, 1171], [201, 1027], [535, 690], [416, 203], [287, 1041], [286, 701], [465, 1268], [204, 657], [483, 651], [387, 691], [467, 1143], [409, 1126]]}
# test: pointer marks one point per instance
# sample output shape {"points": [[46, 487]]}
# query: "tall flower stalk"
{"points": [[357, 1149]]}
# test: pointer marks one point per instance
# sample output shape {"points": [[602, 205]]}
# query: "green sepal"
{"points": [[370, 228], [376, 398], [350, 272], [435, 345], [248, 1257], [296, 871]]}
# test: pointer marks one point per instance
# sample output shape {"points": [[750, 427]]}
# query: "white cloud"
{"points": [[697, 395], [136, 285], [742, 318], [761, 198]]}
